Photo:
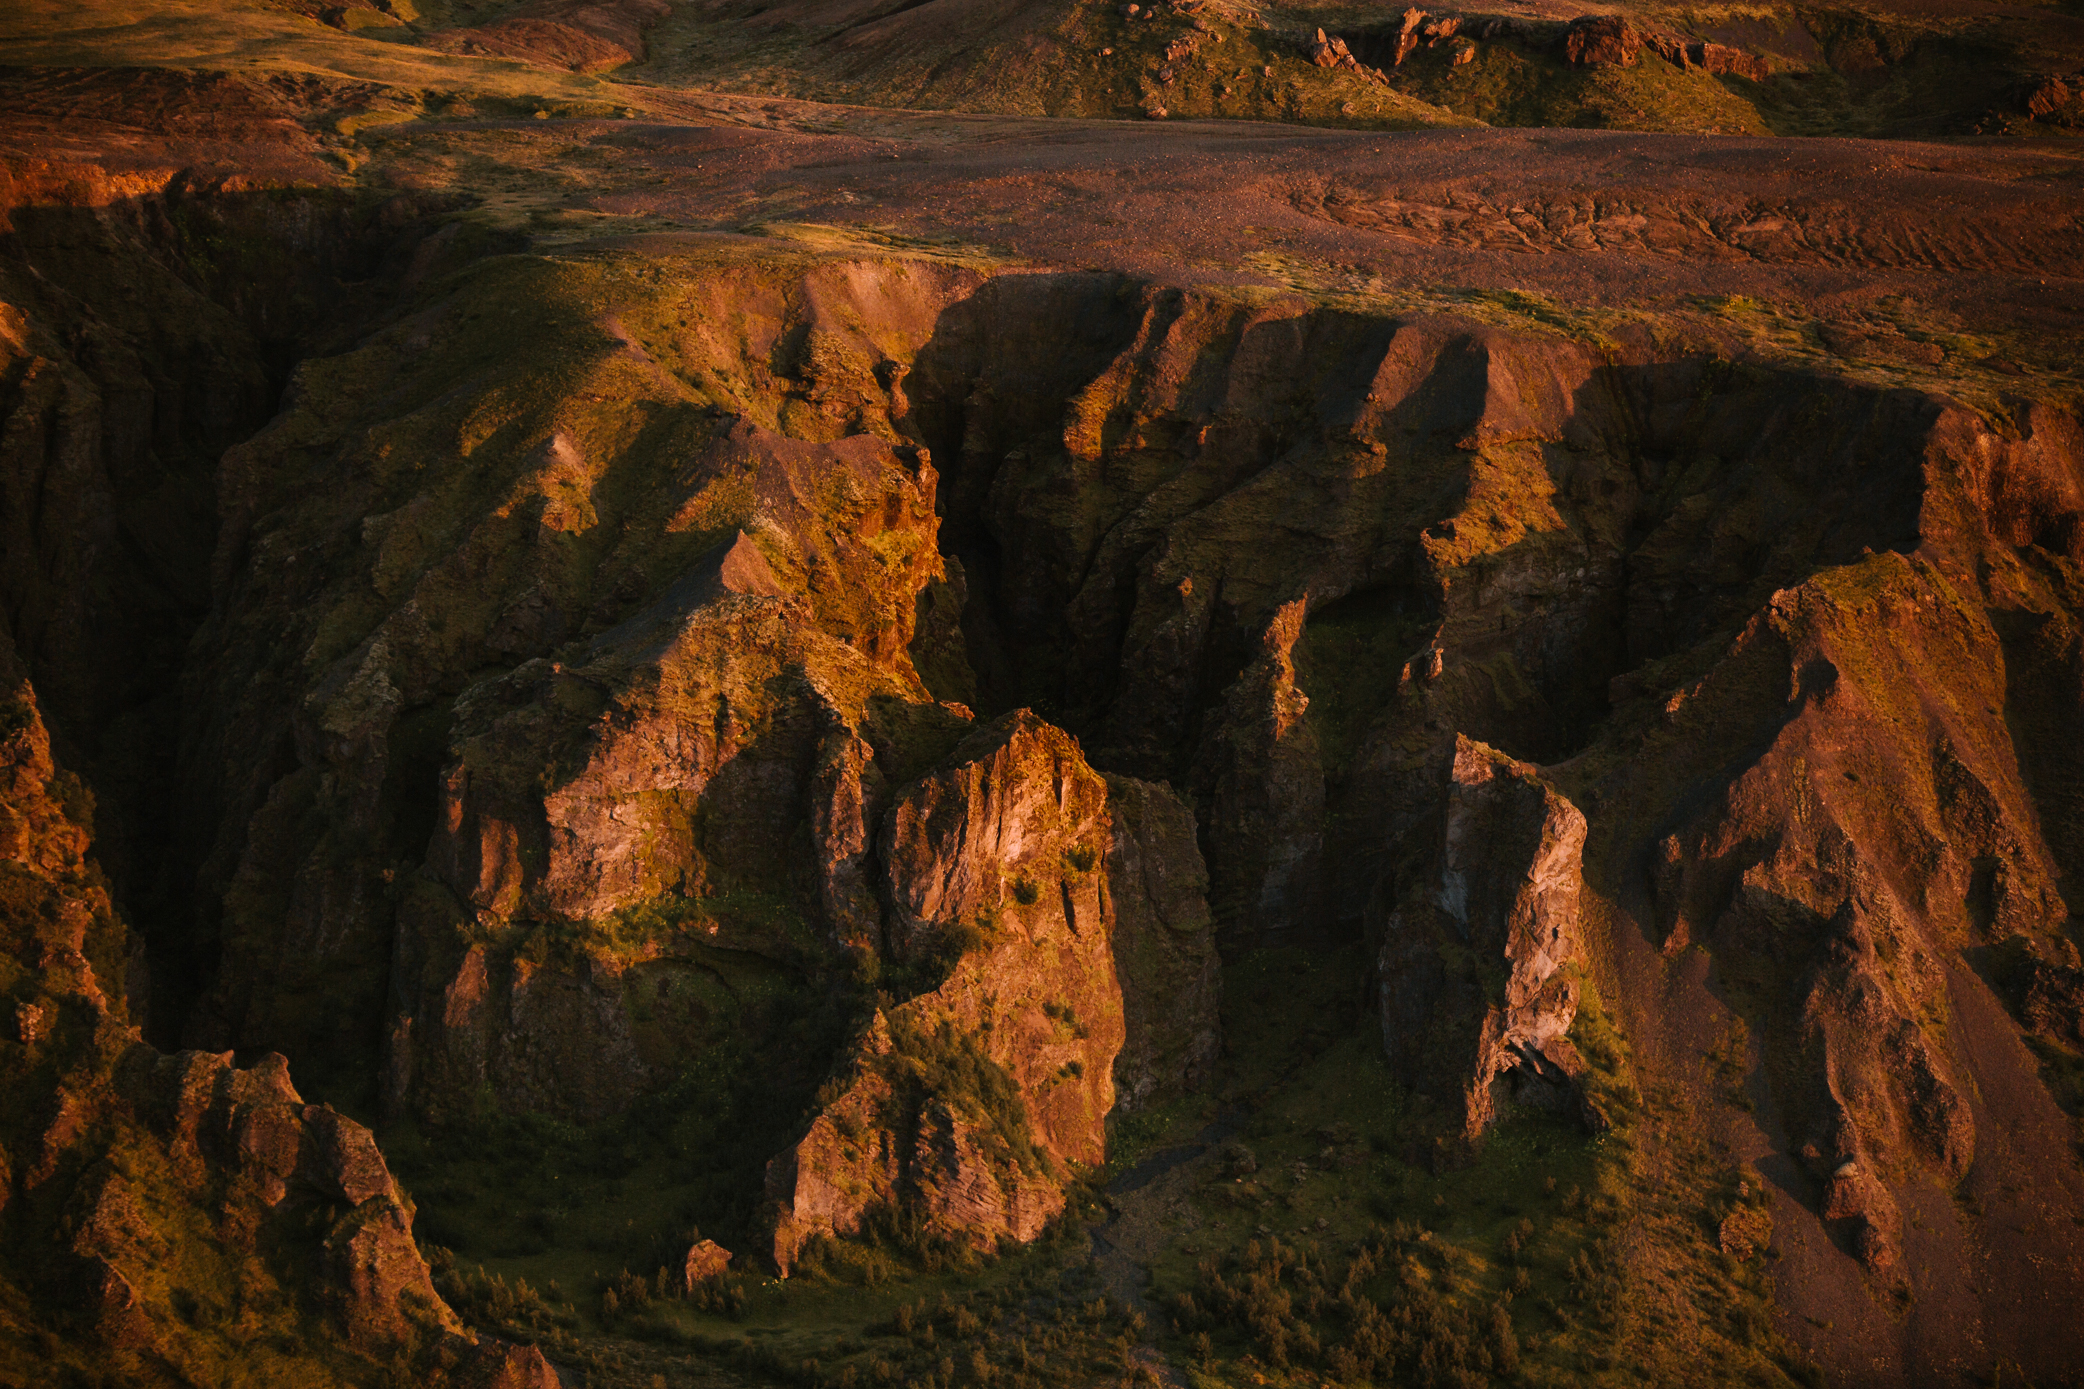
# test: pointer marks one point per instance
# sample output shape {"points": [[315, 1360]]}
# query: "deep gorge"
{"points": [[573, 700]]}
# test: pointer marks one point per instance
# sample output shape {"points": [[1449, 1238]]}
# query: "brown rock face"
{"points": [[667, 755], [1263, 780], [1329, 52], [1712, 58], [1164, 945], [1501, 892], [165, 1182], [706, 1259], [2056, 100], [1597, 40], [970, 1098]]}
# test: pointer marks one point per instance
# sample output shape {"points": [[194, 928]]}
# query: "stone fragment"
{"points": [[30, 1020], [2050, 98], [1329, 52], [497, 1364]]}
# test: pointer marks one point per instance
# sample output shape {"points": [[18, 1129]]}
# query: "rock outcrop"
{"points": [[969, 1101], [1601, 40], [1475, 970], [170, 1211], [1261, 774], [1164, 946], [1716, 59], [2054, 100], [1330, 53]]}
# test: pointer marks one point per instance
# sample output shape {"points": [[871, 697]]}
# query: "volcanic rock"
{"points": [[1502, 896], [1598, 40], [706, 1259], [1010, 870]]}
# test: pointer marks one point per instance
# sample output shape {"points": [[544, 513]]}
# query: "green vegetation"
{"points": [[1348, 660], [1330, 1241], [1511, 83], [946, 1063], [543, 1199]]}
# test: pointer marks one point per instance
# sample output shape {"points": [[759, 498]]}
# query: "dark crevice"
{"points": [[186, 313]]}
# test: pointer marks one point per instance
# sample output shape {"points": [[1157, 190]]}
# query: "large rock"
{"points": [[972, 1098], [1055, 915], [1261, 777], [1601, 40], [176, 1210], [1471, 970], [1164, 946]]}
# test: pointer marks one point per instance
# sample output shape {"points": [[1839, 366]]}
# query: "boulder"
{"points": [[497, 1364], [706, 1259], [1328, 52], [2054, 100]]}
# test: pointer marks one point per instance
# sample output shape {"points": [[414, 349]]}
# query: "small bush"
{"points": [[947, 1063]]}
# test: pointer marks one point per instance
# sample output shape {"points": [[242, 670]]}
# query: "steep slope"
{"points": [[684, 730], [1281, 555], [1592, 549], [174, 1216]]}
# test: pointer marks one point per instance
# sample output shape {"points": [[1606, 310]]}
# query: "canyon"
{"points": [[650, 724]]}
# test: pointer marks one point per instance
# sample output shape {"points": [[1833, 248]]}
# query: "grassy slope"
{"points": [[1601, 1256]]}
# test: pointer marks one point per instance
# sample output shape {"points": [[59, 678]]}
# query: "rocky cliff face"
{"points": [[172, 1215], [579, 695], [1689, 592], [1479, 957], [604, 753], [590, 679], [1010, 872]]}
